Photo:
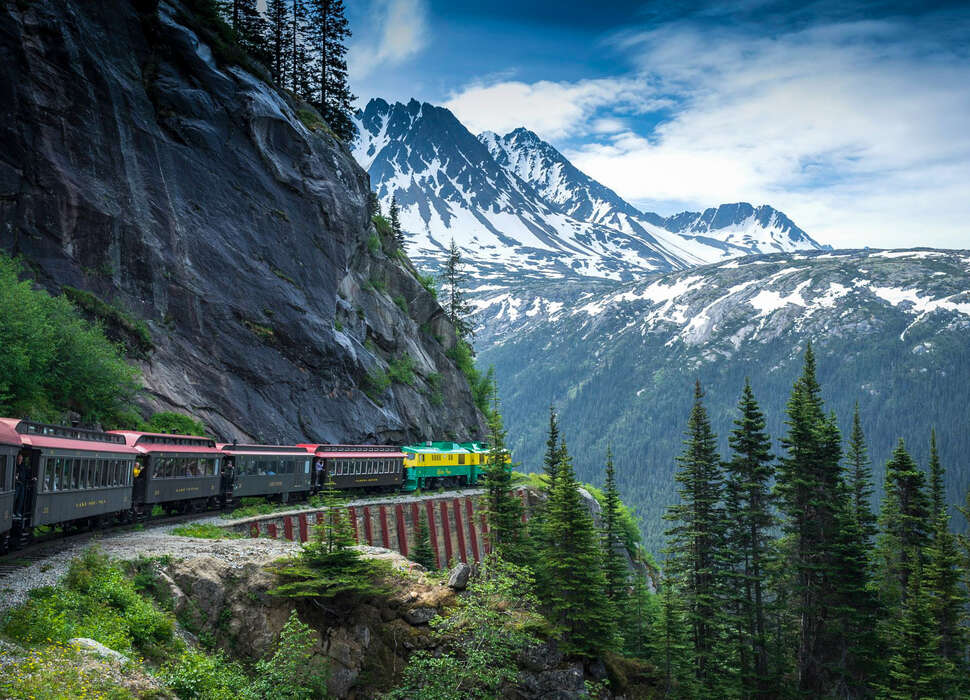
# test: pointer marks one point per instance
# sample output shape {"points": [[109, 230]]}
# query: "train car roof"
{"points": [[352, 451], [164, 442], [43, 435], [232, 448], [446, 448]]}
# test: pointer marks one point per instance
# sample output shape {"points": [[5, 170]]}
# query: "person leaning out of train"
{"points": [[318, 473]]}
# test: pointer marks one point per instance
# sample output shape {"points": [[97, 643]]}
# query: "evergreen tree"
{"points": [[503, 508], [300, 57], [859, 479], [551, 459], [423, 554], [695, 543], [914, 662], [614, 559], [904, 524], [810, 490], [750, 519], [638, 617], [942, 583], [456, 305], [671, 646], [395, 220], [328, 566], [329, 32], [279, 27], [574, 563], [937, 488]]}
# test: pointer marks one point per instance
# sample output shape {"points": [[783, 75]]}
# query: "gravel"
{"points": [[48, 569]]}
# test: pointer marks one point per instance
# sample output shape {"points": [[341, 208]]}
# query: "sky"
{"points": [[852, 118]]}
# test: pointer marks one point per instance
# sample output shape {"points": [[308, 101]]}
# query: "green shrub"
{"points": [[374, 244], [428, 282], [173, 423], [383, 226], [251, 506], [53, 361], [434, 384], [195, 675], [401, 302], [97, 601], [292, 673], [401, 370], [282, 275]]}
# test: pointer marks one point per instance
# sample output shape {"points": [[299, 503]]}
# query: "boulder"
{"points": [[419, 616], [89, 646], [458, 578]]}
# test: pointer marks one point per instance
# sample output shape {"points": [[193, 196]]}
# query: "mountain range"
{"points": [[518, 209]]}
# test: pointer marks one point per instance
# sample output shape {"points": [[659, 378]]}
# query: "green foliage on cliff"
{"points": [[494, 621], [53, 361], [482, 384], [292, 673], [174, 423]]}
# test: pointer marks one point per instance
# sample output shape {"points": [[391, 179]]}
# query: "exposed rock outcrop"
{"points": [[137, 164]]}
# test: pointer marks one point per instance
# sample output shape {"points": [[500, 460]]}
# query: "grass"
{"points": [[205, 531], [401, 302], [313, 121], [427, 281], [400, 371], [282, 275], [264, 333]]}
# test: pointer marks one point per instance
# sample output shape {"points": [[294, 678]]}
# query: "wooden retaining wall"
{"points": [[458, 529]]}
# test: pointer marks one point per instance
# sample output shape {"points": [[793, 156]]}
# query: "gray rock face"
{"points": [[136, 165]]}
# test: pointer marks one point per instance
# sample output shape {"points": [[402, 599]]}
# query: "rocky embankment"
{"points": [[141, 163]]}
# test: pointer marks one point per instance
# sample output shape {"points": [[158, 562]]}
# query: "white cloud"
{"points": [[858, 131], [552, 109], [396, 30]]}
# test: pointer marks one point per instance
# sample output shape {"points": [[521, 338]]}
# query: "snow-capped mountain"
{"points": [[890, 330], [515, 205], [757, 229], [448, 186]]}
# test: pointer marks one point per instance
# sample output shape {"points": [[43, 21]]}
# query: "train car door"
{"points": [[139, 486], [25, 489]]}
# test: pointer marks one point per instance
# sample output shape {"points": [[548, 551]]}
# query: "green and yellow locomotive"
{"points": [[430, 465]]}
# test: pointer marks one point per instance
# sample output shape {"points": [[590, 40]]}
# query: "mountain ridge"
{"points": [[516, 201]]}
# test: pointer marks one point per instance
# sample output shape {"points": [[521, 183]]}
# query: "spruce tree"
{"points": [[573, 558], [750, 519], [456, 305], [859, 479], [279, 27], [503, 508], [695, 544], [942, 582], [551, 458], [395, 220], [810, 491], [905, 524], [915, 665], [329, 32], [937, 473], [373, 204], [614, 560], [423, 554], [670, 646]]}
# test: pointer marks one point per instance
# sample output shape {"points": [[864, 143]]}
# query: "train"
{"points": [[78, 478]]}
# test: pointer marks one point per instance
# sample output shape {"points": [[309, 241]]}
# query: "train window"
{"points": [[65, 473], [48, 483], [98, 474]]}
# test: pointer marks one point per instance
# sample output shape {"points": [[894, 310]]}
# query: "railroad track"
{"points": [[49, 545]]}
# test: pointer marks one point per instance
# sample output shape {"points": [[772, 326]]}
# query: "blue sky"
{"points": [[854, 119]]}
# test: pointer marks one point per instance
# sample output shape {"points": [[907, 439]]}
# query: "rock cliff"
{"points": [[139, 163]]}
